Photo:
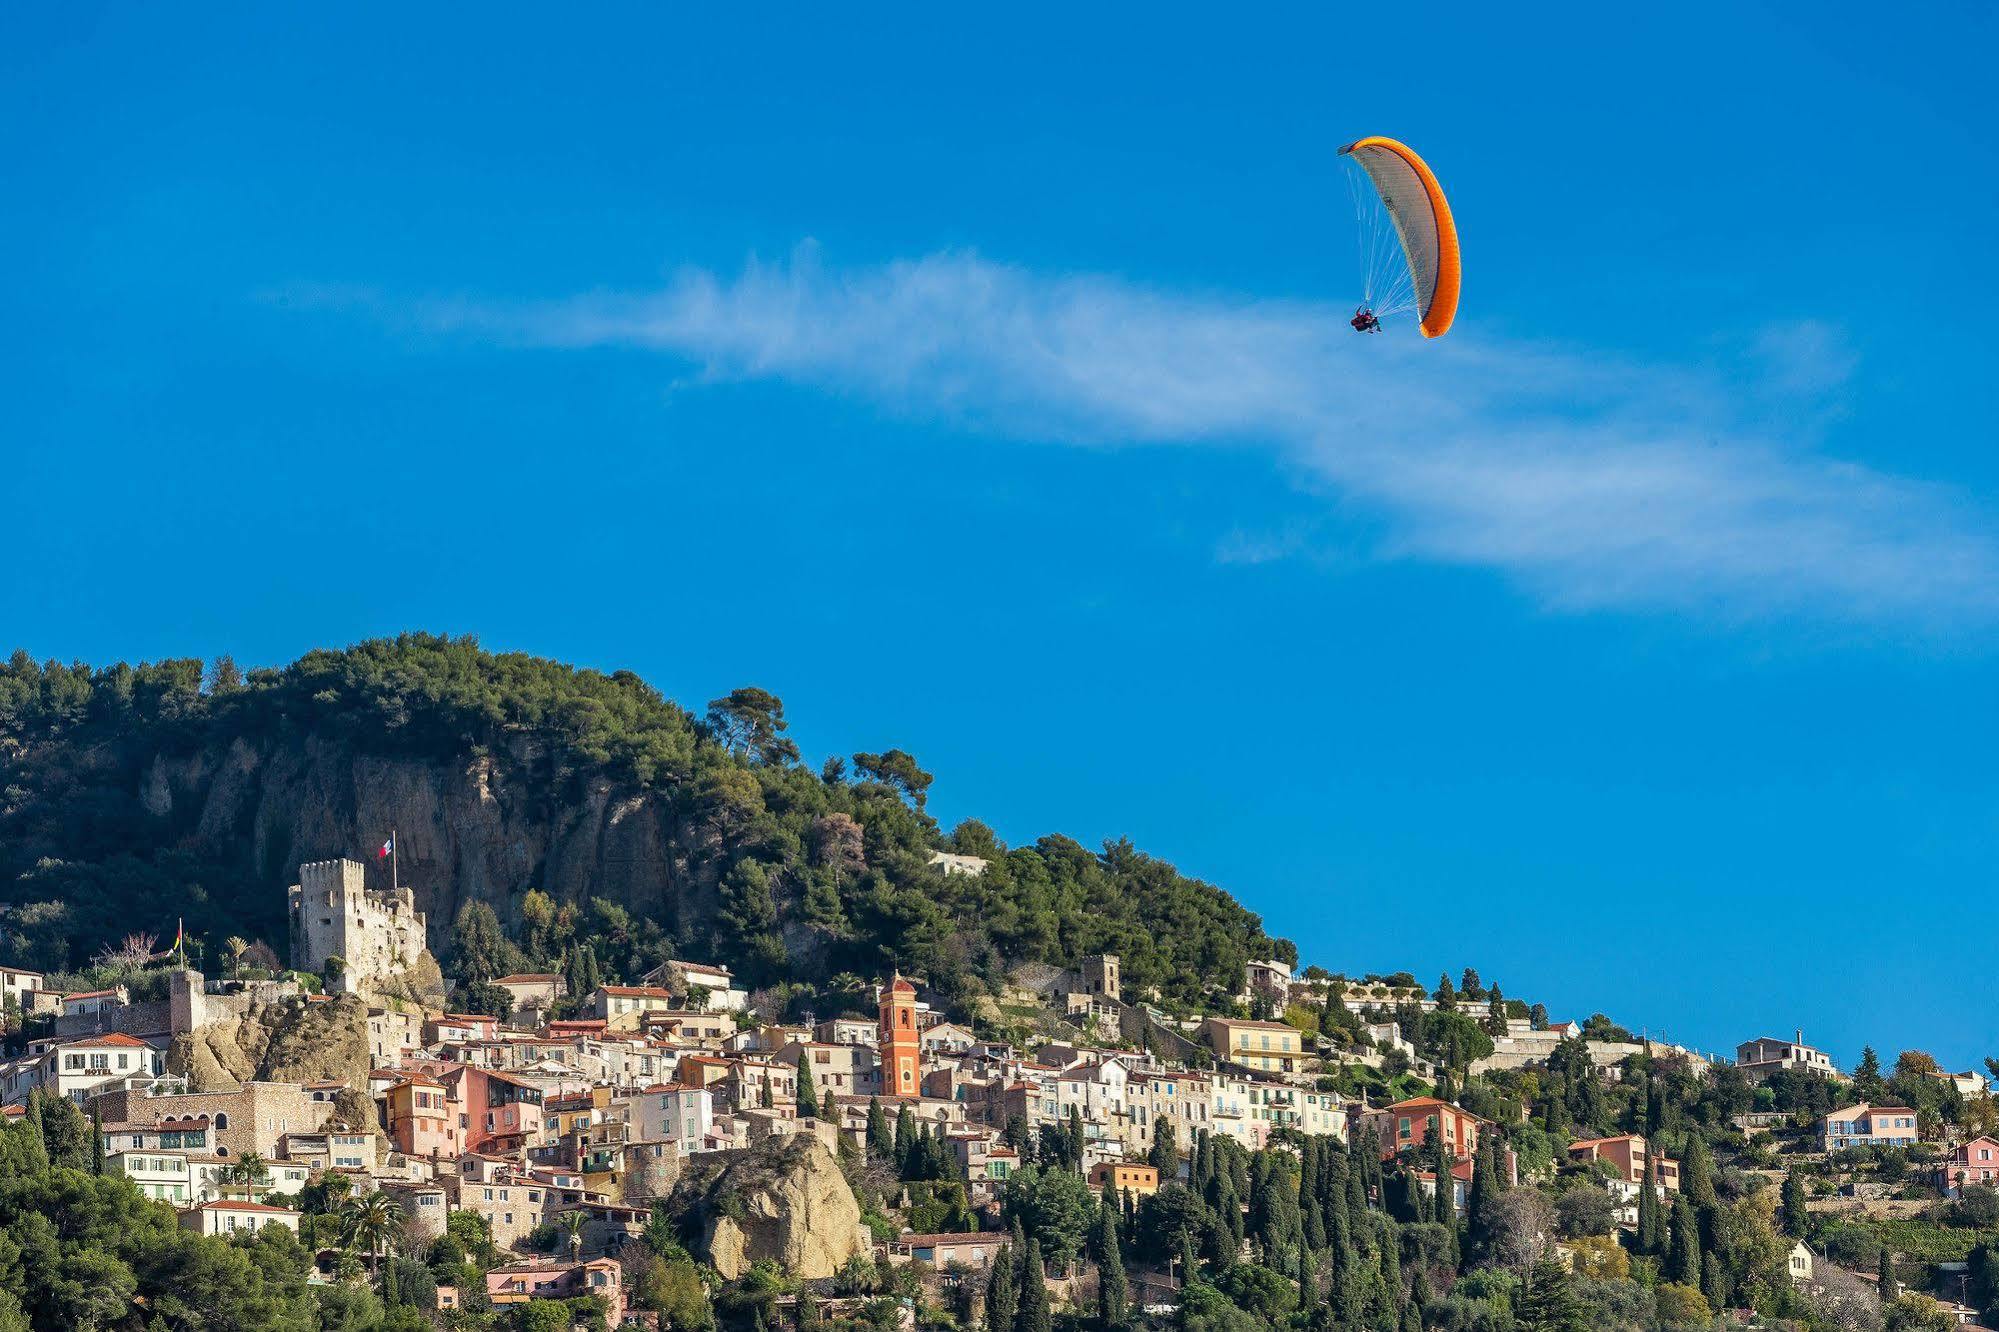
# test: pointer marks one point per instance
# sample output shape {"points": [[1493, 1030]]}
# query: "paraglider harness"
{"points": [[1365, 321]]}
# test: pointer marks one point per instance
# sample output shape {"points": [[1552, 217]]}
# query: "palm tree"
{"points": [[249, 1170], [235, 946], [573, 1224], [370, 1220]]}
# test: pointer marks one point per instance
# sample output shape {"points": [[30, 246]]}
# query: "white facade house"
{"points": [[672, 1113], [77, 1068]]}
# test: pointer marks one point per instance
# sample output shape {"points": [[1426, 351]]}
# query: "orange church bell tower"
{"points": [[901, 1051]]}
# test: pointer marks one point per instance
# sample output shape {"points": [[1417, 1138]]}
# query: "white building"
{"points": [[237, 1218], [1766, 1056], [672, 1113], [77, 1068], [19, 984], [723, 996]]}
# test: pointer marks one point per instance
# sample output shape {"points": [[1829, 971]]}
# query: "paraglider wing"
{"points": [[1415, 203]]}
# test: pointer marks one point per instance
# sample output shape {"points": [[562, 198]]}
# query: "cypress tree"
{"points": [[808, 1093], [1075, 1139], [1697, 1173], [1112, 1289], [1796, 1218], [1714, 1282], [1683, 1249], [905, 1136], [1002, 1292], [1651, 1239], [96, 1141], [1165, 1153], [1311, 1200], [1479, 1234], [1035, 1314], [1444, 1202], [880, 1141], [1890, 1289]]}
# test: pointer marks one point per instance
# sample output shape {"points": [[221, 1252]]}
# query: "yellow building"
{"points": [[1268, 1047]]}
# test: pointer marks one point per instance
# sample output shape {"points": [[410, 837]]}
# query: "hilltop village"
{"points": [[664, 1153]]}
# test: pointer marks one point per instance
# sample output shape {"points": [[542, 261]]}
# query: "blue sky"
{"points": [[983, 390]]}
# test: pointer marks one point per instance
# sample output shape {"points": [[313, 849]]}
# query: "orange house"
{"points": [[1126, 1177], [422, 1121]]}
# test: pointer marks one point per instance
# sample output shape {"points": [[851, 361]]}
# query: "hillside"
{"points": [[577, 805]]}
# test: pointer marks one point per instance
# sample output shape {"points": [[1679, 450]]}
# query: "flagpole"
{"points": [[395, 875]]}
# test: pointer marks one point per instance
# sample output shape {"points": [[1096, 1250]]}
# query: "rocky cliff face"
{"points": [[784, 1200], [486, 829]]}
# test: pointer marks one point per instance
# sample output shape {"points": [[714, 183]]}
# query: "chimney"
{"points": [[1798, 1036]]}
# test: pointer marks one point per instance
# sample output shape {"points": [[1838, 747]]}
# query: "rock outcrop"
{"points": [[278, 1039], [784, 1200]]}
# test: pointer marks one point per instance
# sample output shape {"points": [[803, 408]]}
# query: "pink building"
{"points": [[1629, 1153], [559, 1281], [1974, 1162]]}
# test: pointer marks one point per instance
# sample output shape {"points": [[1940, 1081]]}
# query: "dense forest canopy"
{"points": [[791, 874]]}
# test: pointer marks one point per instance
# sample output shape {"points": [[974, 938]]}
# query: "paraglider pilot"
{"points": [[1365, 321]]}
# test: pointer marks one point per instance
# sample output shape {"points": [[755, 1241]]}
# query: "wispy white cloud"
{"points": [[1594, 482]]}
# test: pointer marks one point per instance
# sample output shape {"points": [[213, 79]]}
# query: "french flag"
{"points": [[388, 848]]}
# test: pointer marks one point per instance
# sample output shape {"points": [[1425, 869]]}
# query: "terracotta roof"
{"points": [[901, 986], [646, 991], [89, 994], [970, 1237], [528, 978], [243, 1207], [117, 1038]]}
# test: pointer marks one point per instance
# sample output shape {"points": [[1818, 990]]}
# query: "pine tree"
{"points": [[1003, 1291], [1447, 995], [1548, 1303], [1112, 1289], [808, 1092], [1035, 1314]]}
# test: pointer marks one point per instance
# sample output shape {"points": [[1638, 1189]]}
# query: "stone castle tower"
{"points": [[900, 1046], [1100, 975], [378, 935]]}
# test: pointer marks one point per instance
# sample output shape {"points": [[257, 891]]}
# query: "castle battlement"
{"points": [[378, 934]]}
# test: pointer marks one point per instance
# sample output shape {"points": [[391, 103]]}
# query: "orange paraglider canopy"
{"points": [[1422, 218]]}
